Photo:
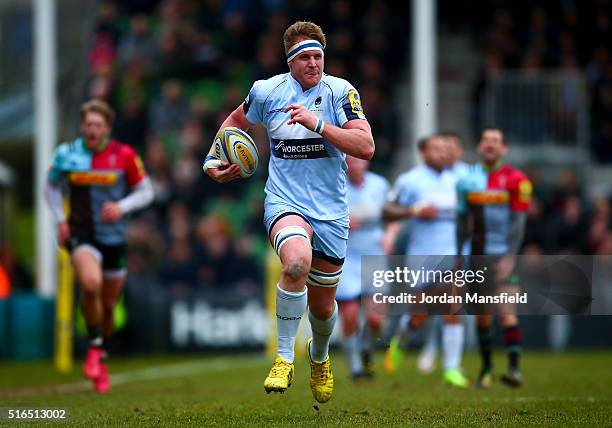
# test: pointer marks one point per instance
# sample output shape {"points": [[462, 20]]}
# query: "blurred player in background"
{"points": [[427, 357], [312, 120], [493, 199], [106, 181], [366, 196], [427, 195], [455, 153]]}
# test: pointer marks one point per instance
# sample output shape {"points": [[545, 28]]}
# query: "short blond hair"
{"points": [[300, 30], [100, 107]]}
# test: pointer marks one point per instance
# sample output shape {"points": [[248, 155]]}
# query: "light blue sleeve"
{"points": [[380, 190], [403, 192], [384, 189], [253, 103], [57, 170]]}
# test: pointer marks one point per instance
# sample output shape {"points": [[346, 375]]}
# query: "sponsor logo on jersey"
{"points": [[355, 102], [308, 148], [139, 165], [317, 107], [525, 190], [488, 198], [94, 178], [276, 110]]}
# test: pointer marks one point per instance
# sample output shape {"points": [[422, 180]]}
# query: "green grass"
{"points": [[573, 389]]}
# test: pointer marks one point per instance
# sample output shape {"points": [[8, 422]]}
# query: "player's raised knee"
{"points": [[296, 269]]}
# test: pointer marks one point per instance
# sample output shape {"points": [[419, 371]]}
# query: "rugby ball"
{"points": [[237, 147]]}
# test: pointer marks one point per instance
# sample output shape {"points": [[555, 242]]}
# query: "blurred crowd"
{"points": [[174, 69], [563, 220], [569, 36]]}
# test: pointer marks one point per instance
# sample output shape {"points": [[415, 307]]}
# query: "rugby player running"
{"points": [[106, 181], [313, 120]]}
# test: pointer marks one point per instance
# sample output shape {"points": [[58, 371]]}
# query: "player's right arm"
{"points": [[53, 194], [219, 170], [244, 117], [402, 202], [394, 211]]}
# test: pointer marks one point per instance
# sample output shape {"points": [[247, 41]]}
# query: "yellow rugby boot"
{"points": [[454, 377], [280, 376], [321, 378]]}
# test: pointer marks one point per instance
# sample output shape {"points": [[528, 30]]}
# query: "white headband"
{"points": [[304, 45]]}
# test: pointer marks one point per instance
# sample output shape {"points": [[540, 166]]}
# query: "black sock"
{"points": [[95, 336], [105, 348], [512, 342], [485, 340]]}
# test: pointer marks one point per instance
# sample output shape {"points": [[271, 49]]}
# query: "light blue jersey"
{"points": [[306, 172], [366, 203], [424, 186], [460, 169]]}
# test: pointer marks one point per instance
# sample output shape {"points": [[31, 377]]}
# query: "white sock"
{"points": [[321, 333], [404, 331], [403, 324], [431, 336], [351, 350], [452, 345], [290, 307]]}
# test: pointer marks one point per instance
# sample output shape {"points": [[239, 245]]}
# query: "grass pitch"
{"points": [[573, 389]]}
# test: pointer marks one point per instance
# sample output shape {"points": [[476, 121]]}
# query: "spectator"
{"points": [[536, 228], [137, 44], [131, 125], [569, 228], [178, 271], [215, 254], [169, 110]]}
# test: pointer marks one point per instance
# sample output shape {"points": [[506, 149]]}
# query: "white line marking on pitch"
{"points": [[139, 375], [523, 399]]}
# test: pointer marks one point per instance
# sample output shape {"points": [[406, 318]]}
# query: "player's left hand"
{"points": [[301, 115], [111, 212]]}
